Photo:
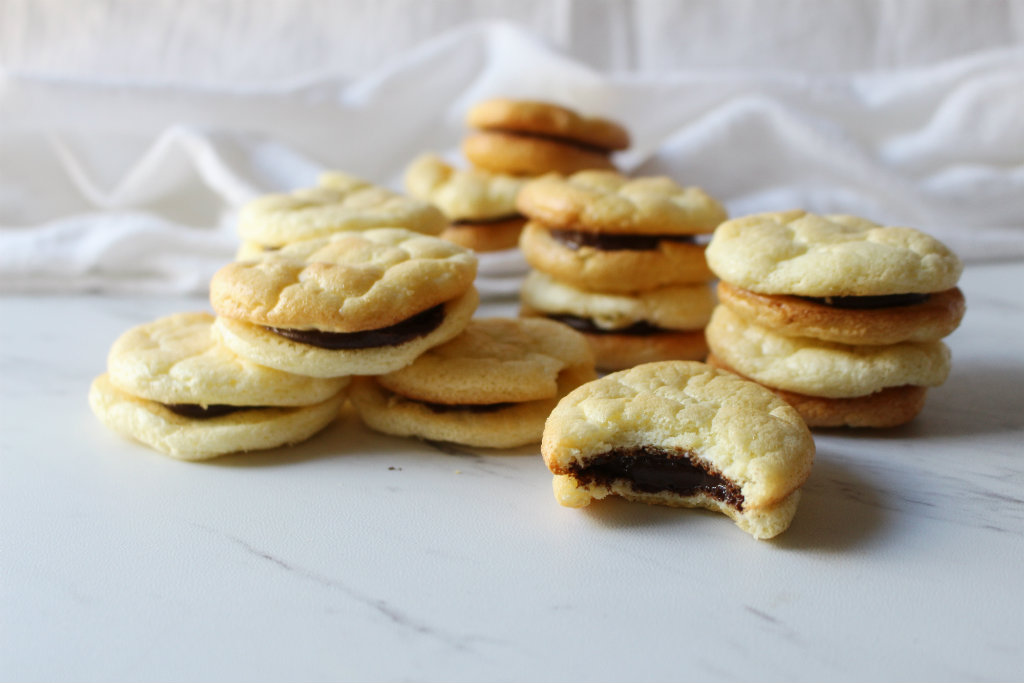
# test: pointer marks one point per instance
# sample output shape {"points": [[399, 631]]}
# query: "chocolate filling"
{"points": [[574, 239], [581, 324], [487, 221], [650, 469], [861, 302], [421, 324], [587, 147], [469, 407], [197, 412]]}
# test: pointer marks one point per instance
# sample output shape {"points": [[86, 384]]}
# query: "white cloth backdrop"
{"points": [[134, 184]]}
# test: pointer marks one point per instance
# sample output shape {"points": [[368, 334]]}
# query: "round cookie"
{"points": [[480, 205], [675, 307], [528, 155], [186, 438], [682, 434], [820, 368], [340, 203], [929, 320], [492, 386], [798, 253], [547, 119], [177, 360], [886, 408], [608, 202], [354, 303], [170, 385], [614, 271]]}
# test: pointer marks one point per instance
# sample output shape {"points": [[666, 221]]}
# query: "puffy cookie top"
{"points": [[545, 118], [494, 360], [462, 194], [606, 201], [735, 427], [349, 282], [341, 202], [820, 368], [176, 359], [795, 252]]}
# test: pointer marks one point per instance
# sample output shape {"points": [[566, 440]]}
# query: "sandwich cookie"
{"points": [[626, 330], [171, 386], [480, 206], [492, 386], [602, 231], [683, 434], [341, 202], [522, 137], [355, 303]]}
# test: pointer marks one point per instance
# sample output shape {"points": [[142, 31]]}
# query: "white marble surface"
{"points": [[362, 557]]}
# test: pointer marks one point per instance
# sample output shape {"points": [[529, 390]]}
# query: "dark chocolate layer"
{"points": [[468, 407], [421, 324], [198, 412], [574, 239], [650, 469], [864, 302], [554, 138], [487, 221], [581, 324]]}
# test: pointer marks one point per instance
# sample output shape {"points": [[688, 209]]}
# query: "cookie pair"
{"points": [[840, 316], [341, 202], [172, 386], [683, 434], [492, 386], [621, 261], [355, 303]]}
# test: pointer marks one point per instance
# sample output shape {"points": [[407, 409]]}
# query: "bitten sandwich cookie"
{"points": [[480, 206], [341, 202], [355, 303], [683, 434], [839, 315], [171, 386], [492, 386], [522, 137], [602, 231], [626, 330]]}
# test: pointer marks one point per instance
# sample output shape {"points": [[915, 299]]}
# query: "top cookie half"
{"points": [[799, 253], [545, 118], [349, 282], [606, 201]]}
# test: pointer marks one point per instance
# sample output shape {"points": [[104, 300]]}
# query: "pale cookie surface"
{"points": [[185, 438], [606, 201], [468, 194], [310, 213], [176, 359], [929, 320], [795, 252], [546, 118], [260, 345], [614, 271], [494, 360], [820, 368], [721, 423], [348, 282], [526, 155], [676, 307], [886, 408], [508, 426]]}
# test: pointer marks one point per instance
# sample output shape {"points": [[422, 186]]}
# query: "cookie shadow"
{"points": [[839, 510], [618, 513]]}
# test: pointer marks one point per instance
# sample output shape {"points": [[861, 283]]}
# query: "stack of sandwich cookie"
{"points": [[683, 434], [840, 316], [354, 303], [170, 385], [341, 202], [492, 386], [528, 138], [480, 205], [620, 260]]}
